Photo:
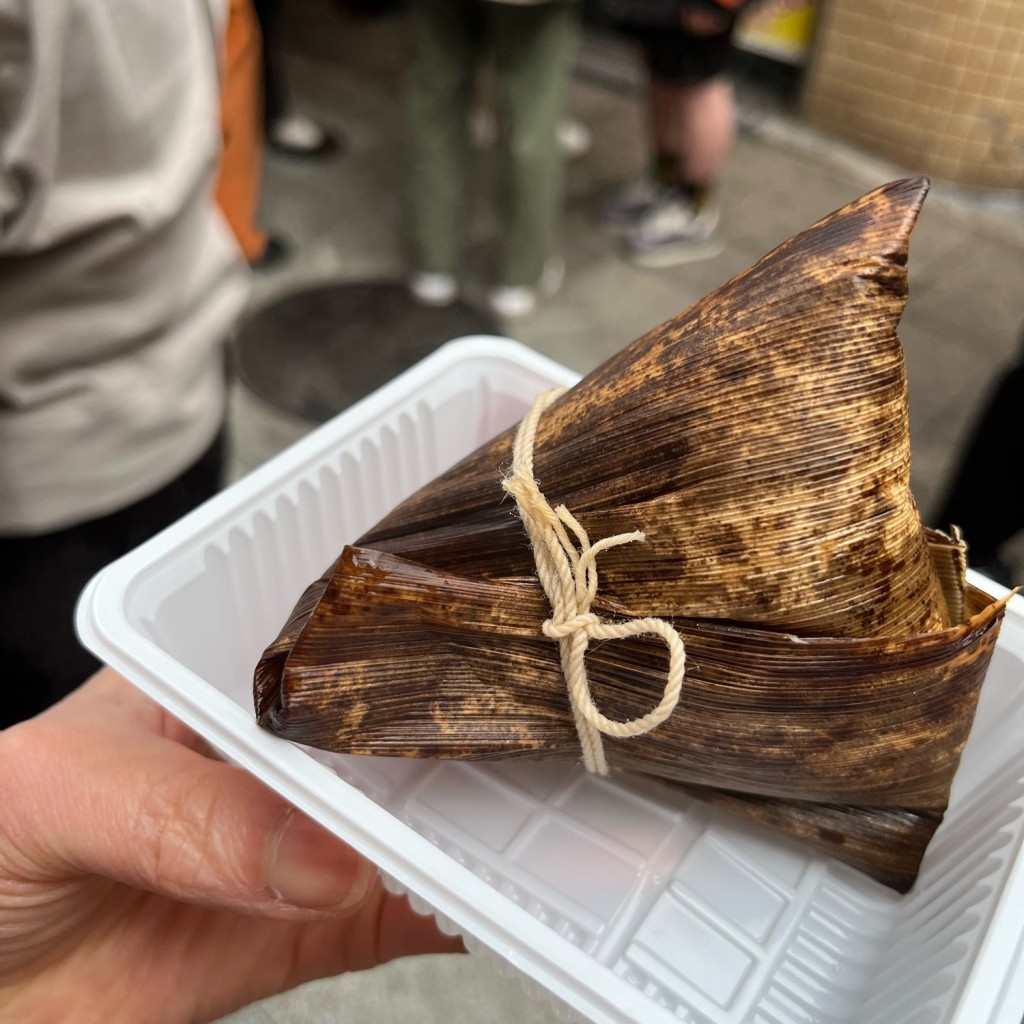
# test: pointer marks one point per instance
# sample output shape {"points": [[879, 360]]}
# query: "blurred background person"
{"points": [[287, 130], [119, 285], [670, 214], [531, 44]]}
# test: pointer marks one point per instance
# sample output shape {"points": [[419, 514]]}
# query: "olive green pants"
{"points": [[531, 48]]}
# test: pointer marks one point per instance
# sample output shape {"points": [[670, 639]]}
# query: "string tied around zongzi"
{"points": [[567, 568]]}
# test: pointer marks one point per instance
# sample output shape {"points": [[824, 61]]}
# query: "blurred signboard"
{"points": [[780, 29]]}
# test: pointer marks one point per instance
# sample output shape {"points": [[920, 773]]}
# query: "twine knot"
{"points": [[567, 569], [584, 620]]}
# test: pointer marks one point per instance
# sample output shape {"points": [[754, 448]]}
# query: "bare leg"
{"points": [[696, 123]]}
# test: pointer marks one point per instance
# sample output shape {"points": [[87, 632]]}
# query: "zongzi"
{"points": [[725, 506]]}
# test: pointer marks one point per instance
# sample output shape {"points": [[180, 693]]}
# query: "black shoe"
{"points": [[275, 252]]}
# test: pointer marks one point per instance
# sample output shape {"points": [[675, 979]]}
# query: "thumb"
{"points": [[92, 794]]}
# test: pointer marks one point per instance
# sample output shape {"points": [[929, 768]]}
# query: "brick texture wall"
{"points": [[934, 85]]}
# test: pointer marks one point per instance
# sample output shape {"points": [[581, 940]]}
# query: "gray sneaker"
{"points": [[625, 210], [676, 230]]}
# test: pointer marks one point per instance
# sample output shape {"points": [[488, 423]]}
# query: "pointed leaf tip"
{"points": [[907, 196]]}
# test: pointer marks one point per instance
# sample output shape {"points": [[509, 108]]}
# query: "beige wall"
{"points": [[934, 85]]}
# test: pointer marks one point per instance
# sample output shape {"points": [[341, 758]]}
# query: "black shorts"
{"points": [[674, 57]]}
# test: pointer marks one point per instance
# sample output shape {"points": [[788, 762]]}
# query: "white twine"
{"points": [[567, 568]]}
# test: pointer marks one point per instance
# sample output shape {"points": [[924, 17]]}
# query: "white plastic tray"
{"points": [[620, 901]]}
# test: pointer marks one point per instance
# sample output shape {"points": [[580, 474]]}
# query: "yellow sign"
{"points": [[780, 29]]}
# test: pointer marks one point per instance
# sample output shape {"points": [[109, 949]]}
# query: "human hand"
{"points": [[143, 881]]}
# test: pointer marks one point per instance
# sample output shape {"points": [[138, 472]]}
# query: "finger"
{"points": [[88, 792], [383, 928], [404, 932], [107, 694]]}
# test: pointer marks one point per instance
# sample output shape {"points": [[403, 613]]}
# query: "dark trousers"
{"points": [[268, 14], [42, 577]]}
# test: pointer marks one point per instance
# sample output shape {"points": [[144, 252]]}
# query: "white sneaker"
{"points": [[574, 138], [631, 204], [675, 231], [433, 289], [512, 301], [299, 135]]}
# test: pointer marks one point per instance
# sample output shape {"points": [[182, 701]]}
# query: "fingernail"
{"points": [[308, 867]]}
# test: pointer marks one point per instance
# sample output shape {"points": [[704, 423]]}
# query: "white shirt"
{"points": [[119, 280]]}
